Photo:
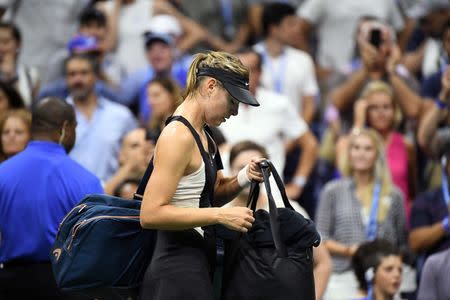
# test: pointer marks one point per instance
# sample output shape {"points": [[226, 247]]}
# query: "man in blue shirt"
{"points": [[101, 123], [60, 89], [38, 187]]}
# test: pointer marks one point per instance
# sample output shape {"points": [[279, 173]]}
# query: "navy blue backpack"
{"points": [[100, 248]]}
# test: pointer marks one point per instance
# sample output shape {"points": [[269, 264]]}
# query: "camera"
{"points": [[375, 37]]}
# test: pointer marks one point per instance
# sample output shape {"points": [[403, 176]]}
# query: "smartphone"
{"points": [[375, 37]]}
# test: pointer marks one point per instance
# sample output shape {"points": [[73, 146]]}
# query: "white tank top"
{"points": [[189, 190]]}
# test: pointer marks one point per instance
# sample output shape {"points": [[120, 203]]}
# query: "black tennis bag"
{"points": [[101, 248], [274, 259]]}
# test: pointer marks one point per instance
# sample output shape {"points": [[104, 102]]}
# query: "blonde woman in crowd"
{"points": [[377, 109], [362, 205]]}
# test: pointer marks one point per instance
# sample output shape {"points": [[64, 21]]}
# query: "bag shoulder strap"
{"points": [[191, 129], [280, 185], [143, 183], [205, 200], [254, 189], [273, 211], [267, 168]]}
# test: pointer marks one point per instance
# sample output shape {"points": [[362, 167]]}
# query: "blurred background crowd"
{"points": [[355, 98]]}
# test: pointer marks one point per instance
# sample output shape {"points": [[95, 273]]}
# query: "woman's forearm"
{"points": [[428, 125], [337, 248], [425, 237], [410, 103], [323, 267], [310, 150], [170, 217], [226, 189], [343, 95]]}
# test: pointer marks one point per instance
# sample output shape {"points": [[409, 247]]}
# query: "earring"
{"points": [[62, 136], [63, 133]]}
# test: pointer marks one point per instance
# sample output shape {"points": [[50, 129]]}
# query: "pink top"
{"points": [[397, 158]]}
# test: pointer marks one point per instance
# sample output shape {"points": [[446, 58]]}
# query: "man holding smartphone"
{"points": [[376, 41], [378, 57], [375, 37]]}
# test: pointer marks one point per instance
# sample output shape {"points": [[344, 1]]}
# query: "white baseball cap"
{"points": [[165, 24]]}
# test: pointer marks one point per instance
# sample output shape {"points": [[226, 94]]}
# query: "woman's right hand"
{"points": [[236, 218], [369, 54], [359, 113]]}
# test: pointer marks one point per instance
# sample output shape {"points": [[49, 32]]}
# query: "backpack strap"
{"points": [[208, 189], [143, 183], [210, 167]]}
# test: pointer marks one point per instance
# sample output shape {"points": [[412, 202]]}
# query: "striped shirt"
{"points": [[339, 217]]}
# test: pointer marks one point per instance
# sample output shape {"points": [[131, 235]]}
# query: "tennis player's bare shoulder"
{"points": [[176, 136]]}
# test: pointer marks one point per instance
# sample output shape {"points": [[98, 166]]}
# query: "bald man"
{"points": [[38, 187]]}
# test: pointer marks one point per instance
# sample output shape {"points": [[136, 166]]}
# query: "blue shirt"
{"points": [[38, 187], [431, 86], [98, 138]]}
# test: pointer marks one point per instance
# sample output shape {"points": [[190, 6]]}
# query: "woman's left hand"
{"points": [[394, 58], [254, 171], [360, 112]]}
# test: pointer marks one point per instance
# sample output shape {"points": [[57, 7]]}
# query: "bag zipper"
{"points": [[79, 207], [79, 225]]}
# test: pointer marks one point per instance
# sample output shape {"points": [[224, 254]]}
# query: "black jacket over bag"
{"points": [[274, 259]]}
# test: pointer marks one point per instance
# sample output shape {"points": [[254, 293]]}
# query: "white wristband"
{"points": [[299, 181], [242, 177]]}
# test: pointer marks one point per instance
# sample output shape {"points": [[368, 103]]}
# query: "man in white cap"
{"points": [[164, 61]]}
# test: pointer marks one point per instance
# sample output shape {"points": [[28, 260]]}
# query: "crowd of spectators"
{"points": [[355, 112]]}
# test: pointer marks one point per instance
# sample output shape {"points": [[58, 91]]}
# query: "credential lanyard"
{"points": [[277, 75], [371, 232], [370, 293], [444, 185]]}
